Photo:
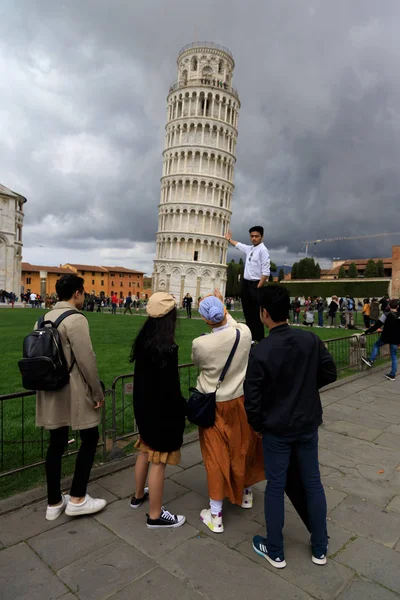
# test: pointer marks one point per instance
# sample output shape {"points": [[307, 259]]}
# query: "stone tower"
{"points": [[11, 222], [197, 177]]}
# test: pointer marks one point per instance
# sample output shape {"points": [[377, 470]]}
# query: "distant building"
{"points": [[98, 279], [11, 223]]}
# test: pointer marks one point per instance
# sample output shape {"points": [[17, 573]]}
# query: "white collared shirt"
{"points": [[257, 261]]}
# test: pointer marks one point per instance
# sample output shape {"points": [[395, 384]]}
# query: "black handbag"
{"points": [[201, 407]]}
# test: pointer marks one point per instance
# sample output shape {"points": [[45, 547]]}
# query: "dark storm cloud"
{"points": [[82, 116]]}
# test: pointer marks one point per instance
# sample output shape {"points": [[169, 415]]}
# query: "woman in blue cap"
{"points": [[231, 450]]}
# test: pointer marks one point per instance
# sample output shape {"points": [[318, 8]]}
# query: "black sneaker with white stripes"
{"points": [[136, 502], [367, 362], [166, 519]]}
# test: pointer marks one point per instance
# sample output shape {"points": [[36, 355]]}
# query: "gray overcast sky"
{"points": [[82, 114]]}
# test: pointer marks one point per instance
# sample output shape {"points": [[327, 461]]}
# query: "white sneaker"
{"points": [[53, 512], [247, 500], [87, 507], [319, 560], [213, 523]]}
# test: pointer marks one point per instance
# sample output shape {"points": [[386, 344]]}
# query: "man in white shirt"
{"points": [[256, 273], [32, 299]]}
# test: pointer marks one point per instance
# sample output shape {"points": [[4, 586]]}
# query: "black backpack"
{"points": [[44, 366]]}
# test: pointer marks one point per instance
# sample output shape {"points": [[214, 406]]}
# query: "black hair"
{"points": [[67, 285], [156, 338], [276, 301], [393, 303], [257, 228]]}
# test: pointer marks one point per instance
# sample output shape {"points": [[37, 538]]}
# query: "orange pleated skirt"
{"points": [[232, 452]]}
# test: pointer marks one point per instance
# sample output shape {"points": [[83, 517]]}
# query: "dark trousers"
{"points": [[189, 310], [277, 455], [113, 308], [320, 318], [83, 465], [367, 321], [127, 308], [251, 309]]}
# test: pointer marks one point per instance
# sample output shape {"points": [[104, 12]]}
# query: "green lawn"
{"points": [[112, 336]]}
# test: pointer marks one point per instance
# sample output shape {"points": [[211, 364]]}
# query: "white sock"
{"points": [[216, 506]]}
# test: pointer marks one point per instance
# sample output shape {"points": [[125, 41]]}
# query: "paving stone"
{"points": [[172, 470], [130, 525], [345, 449], [27, 522], [24, 576], [358, 414], [190, 455], [389, 439], [358, 431], [216, 572], [368, 520], [237, 522], [102, 573], [373, 561], [393, 429], [96, 490], [121, 484], [362, 589], [324, 583], [394, 504], [157, 584], [355, 484], [74, 540], [194, 479]]}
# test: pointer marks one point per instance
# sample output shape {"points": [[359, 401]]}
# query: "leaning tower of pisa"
{"points": [[197, 177]]}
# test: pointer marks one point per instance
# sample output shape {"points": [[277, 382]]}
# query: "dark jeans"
{"points": [[320, 318], [83, 465], [128, 307], [189, 310], [113, 308], [251, 309], [277, 453]]}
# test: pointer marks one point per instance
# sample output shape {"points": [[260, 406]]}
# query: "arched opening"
{"points": [[194, 63], [221, 66]]}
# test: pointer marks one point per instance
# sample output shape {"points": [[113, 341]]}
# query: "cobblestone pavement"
{"points": [[113, 555]]}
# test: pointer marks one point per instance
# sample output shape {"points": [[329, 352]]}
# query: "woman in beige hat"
{"points": [[159, 407]]}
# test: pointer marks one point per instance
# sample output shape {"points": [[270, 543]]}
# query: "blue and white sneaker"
{"points": [[319, 560], [260, 547]]}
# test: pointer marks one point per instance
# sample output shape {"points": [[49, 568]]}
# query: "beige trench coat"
{"points": [[73, 404]]}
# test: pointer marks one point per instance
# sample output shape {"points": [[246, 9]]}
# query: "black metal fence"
{"points": [[23, 445]]}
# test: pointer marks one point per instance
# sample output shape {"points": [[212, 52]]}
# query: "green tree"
{"points": [[353, 273], [342, 272], [281, 275], [273, 267], [317, 271], [380, 268], [307, 269], [371, 269], [294, 270], [271, 278]]}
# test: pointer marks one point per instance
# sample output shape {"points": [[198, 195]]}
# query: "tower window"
{"points": [[196, 255], [220, 66], [194, 63]]}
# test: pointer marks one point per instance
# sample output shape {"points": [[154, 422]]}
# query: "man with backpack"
{"points": [[348, 306], [60, 364], [390, 321]]}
